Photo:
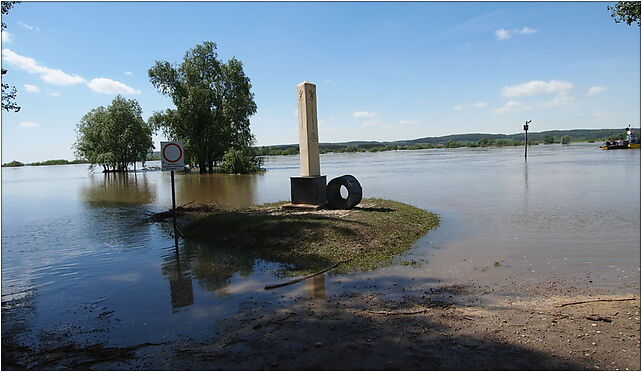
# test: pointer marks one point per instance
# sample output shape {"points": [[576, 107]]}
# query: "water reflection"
{"points": [[118, 188], [315, 287], [180, 282], [223, 189], [212, 266], [526, 194]]}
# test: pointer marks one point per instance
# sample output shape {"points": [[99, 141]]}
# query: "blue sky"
{"points": [[384, 71]]}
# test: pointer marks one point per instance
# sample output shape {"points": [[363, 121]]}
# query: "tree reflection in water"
{"points": [[106, 189], [228, 190]]}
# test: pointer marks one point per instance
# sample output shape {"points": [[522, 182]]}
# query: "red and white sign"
{"points": [[172, 156]]}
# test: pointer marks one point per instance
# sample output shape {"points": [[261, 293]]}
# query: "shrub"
{"points": [[240, 162]]}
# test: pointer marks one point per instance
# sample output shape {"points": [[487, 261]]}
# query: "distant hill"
{"points": [[459, 140], [576, 135]]}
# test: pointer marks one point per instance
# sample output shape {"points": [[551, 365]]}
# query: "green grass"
{"points": [[370, 235]]}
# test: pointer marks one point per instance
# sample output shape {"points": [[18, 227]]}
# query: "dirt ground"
{"points": [[450, 327]]}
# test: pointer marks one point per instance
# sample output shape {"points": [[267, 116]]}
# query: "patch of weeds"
{"points": [[368, 236], [412, 263]]}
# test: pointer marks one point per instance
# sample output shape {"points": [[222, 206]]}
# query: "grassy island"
{"points": [[369, 235]]}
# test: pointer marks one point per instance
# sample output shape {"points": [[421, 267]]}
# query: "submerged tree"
{"points": [[213, 105], [114, 136]]}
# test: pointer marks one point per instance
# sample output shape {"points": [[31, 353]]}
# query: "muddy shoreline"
{"points": [[449, 327]]}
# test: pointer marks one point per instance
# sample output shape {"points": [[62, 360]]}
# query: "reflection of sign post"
{"points": [[172, 158]]}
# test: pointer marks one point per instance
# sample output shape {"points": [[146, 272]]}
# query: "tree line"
{"points": [[15, 163], [455, 141], [213, 104]]}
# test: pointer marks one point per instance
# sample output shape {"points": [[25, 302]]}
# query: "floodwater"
{"points": [[80, 263]]}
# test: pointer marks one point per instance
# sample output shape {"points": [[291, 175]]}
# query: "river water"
{"points": [[80, 262]]}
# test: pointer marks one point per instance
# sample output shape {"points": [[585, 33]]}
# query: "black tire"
{"points": [[333, 192]]}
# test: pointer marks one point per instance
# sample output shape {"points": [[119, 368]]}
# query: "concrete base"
{"points": [[308, 190]]}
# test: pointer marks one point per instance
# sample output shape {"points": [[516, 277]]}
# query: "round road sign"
{"points": [[172, 153]]}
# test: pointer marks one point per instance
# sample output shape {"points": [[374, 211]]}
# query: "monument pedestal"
{"points": [[307, 193]]}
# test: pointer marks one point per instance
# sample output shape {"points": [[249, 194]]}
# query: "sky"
{"points": [[384, 70]]}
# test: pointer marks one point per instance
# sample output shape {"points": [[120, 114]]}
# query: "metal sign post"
{"points": [[172, 158], [526, 138]]}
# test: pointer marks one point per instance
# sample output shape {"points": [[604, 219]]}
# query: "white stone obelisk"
{"points": [[308, 130]]}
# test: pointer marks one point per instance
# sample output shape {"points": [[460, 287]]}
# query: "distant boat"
{"points": [[632, 141]]}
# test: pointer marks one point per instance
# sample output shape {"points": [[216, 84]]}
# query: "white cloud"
{"points": [[51, 76], [560, 100], [108, 86], [525, 30], [295, 113], [477, 105], [28, 27], [6, 37], [31, 88], [28, 124], [364, 114], [55, 94], [129, 73], [537, 87], [511, 106], [595, 91], [408, 122], [502, 34]]}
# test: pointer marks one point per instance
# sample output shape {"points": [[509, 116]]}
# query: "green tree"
{"points": [[626, 11], [114, 136], [617, 137], [14, 163], [548, 139], [213, 105], [8, 92], [451, 144], [486, 142], [565, 140]]}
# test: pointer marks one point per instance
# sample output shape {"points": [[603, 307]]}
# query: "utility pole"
{"points": [[526, 138]]}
